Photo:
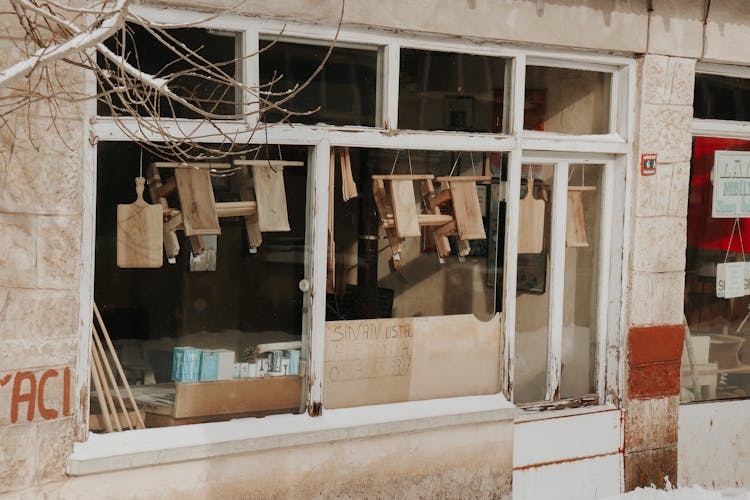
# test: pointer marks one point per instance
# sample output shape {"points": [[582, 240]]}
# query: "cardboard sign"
{"points": [[731, 179], [730, 279]]}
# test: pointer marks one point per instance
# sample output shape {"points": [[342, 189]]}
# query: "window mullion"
{"points": [[318, 167], [389, 83], [602, 303], [557, 279], [251, 69]]}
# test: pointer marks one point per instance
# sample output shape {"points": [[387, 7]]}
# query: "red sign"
{"points": [[648, 164]]}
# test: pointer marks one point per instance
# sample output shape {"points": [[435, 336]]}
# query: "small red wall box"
{"points": [[648, 164]]}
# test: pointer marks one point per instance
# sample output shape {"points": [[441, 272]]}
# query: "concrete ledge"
{"points": [[131, 449]]}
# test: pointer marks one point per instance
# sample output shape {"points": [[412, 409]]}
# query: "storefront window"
{"points": [[567, 101], [720, 97], [414, 286], [232, 287], [195, 73], [344, 92], [716, 361], [574, 349], [448, 91]]}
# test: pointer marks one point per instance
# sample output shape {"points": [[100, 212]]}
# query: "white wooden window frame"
{"points": [[730, 129], [612, 150]]}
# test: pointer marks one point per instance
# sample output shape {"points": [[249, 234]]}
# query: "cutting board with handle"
{"points": [[530, 221], [139, 232]]}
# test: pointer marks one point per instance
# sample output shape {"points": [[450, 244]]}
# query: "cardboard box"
{"points": [[239, 395]]}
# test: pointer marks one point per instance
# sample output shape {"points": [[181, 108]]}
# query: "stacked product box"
{"points": [[275, 363], [190, 364]]}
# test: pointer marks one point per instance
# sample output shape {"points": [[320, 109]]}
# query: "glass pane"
{"points": [[201, 89], [224, 297], [720, 364], [568, 101], [343, 93], [447, 91], [532, 288], [578, 376], [368, 285], [721, 97], [413, 315]]}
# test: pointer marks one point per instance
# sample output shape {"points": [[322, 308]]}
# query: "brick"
{"points": [[657, 379], [17, 456], [666, 131], [54, 444], [38, 328], [18, 260], [59, 244], [653, 344], [646, 468], [651, 423], [659, 244], [657, 298]]}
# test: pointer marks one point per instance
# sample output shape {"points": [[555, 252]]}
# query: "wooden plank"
{"points": [[404, 208], [465, 178], [139, 232], [442, 245], [197, 202], [575, 224], [467, 211], [236, 208], [384, 211], [424, 220], [270, 195], [237, 396], [247, 193], [530, 222], [410, 177], [269, 163], [331, 254], [192, 165]]}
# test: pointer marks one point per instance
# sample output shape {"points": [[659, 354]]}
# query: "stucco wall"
{"points": [[461, 461], [40, 267], [713, 444]]}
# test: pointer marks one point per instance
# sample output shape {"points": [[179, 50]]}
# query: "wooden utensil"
{"points": [[530, 221], [139, 232]]}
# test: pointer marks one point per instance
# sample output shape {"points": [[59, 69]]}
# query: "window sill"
{"points": [[131, 449]]}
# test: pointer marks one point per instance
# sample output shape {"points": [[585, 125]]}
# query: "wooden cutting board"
{"points": [[139, 232], [531, 222]]}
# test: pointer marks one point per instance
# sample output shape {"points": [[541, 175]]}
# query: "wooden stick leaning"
{"points": [[108, 340], [100, 393], [111, 377], [105, 388]]}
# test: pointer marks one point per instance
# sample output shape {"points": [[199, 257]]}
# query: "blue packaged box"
{"points": [[186, 363], [209, 366], [293, 361]]}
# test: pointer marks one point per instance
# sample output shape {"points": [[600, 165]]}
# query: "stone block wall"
{"points": [[40, 267], [664, 110]]}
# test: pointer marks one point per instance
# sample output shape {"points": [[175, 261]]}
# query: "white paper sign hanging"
{"points": [[730, 280], [747, 279], [731, 179]]}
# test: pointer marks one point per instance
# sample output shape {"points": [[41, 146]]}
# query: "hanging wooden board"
{"points": [[139, 232], [530, 222], [404, 208], [467, 211], [575, 227], [197, 203], [271, 198]]}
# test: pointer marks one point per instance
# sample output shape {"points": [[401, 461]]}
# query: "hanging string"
{"points": [[736, 225], [395, 160], [408, 154], [455, 163], [140, 166], [473, 169]]}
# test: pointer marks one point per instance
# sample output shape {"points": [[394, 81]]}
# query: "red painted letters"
{"points": [[26, 389]]}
